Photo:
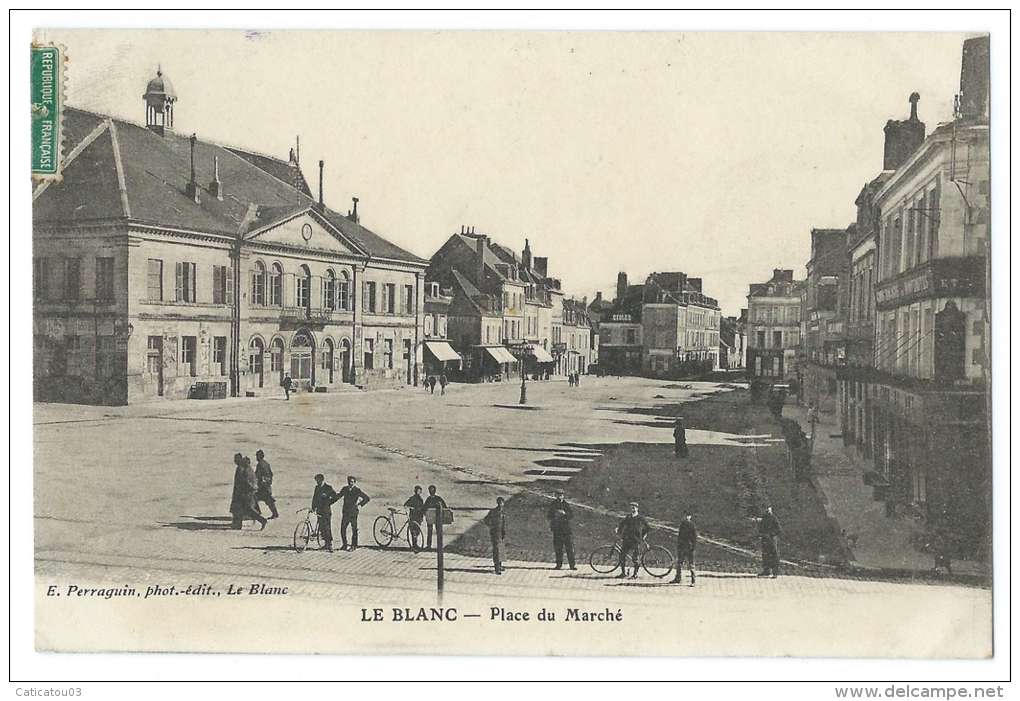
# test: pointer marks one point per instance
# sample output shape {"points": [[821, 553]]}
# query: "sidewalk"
{"points": [[882, 542]]}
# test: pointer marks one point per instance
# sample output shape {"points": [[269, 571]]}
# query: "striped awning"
{"points": [[442, 350], [541, 354], [501, 354]]}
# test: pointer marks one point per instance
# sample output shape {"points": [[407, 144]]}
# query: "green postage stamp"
{"points": [[47, 85]]}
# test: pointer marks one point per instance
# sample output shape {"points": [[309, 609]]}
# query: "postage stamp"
{"points": [[47, 85]]}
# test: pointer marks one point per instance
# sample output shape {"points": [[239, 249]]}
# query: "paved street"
{"points": [[138, 495]]}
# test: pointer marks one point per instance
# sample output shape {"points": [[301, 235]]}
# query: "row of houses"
{"points": [[888, 334], [166, 266], [664, 327]]}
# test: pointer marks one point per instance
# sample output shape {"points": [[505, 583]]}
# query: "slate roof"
{"points": [[155, 172]]}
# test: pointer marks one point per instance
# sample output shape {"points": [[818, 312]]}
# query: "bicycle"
{"points": [[655, 559], [385, 530], [306, 531]]}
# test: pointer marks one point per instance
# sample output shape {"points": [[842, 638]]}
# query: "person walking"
{"points": [[443, 381], [769, 531], [432, 384], [559, 516], [242, 500], [496, 521], [287, 384], [432, 501], [323, 499], [415, 514], [633, 529], [264, 480], [679, 438], [353, 499], [686, 539]]}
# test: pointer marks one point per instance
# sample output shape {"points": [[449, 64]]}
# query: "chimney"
{"points": [[902, 137], [695, 282], [462, 229], [621, 286], [216, 187], [542, 265], [353, 214], [297, 151], [480, 255], [974, 79], [526, 255], [321, 164], [598, 297], [192, 187]]}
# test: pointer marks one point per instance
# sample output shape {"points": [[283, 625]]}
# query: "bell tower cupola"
{"points": [[159, 103]]}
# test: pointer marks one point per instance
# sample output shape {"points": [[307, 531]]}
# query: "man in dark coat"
{"points": [[242, 500], [432, 384], [264, 481], [287, 383], [443, 381], [354, 499], [679, 438], [323, 499], [496, 521], [559, 516], [633, 530], [686, 539], [769, 531], [431, 502], [415, 514]]}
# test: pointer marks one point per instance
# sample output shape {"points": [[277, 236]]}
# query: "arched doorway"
{"points": [[301, 357], [276, 359], [344, 354], [327, 362], [256, 362]]}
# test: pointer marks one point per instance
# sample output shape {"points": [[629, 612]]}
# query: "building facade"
{"points": [[823, 319], [774, 327], [170, 267]]}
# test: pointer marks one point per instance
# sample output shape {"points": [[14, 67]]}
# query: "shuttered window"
{"points": [[155, 280], [185, 283], [223, 285]]}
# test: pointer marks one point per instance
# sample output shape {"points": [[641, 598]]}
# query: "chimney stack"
{"points": [[974, 76], [216, 187], [526, 255], [321, 204], [353, 214], [480, 254], [902, 137], [297, 151], [192, 187], [621, 286]]}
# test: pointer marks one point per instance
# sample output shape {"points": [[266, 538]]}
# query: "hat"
{"points": [[259, 453], [320, 476], [351, 477], [633, 503]]}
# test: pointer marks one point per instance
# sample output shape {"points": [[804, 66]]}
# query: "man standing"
{"points": [[769, 531], [323, 499], [242, 500], [354, 499], [679, 438], [287, 383], [686, 539], [431, 502], [559, 516], [496, 521], [432, 384], [415, 513], [443, 381], [633, 530], [264, 479]]}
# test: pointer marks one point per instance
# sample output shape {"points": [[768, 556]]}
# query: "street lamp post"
{"points": [[524, 379]]}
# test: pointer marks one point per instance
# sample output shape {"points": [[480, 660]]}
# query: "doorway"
{"points": [[256, 360], [327, 361], [345, 360], [301, 357]]}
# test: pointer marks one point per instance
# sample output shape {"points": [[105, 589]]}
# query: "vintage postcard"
{"points": [[512, 343]]}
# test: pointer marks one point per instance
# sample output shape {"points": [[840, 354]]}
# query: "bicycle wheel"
{"points": [[302, 534], [658, 561], [382, 531], [414, 537], [605, 559]]}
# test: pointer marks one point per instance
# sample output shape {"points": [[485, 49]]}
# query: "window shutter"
{"points": [[192, 283], [364, 296], [179, 287], [323, 293], [228, 274]]}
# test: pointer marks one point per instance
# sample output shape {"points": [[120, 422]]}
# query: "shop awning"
{"points": [[541, 354], [442, 350], [500, 354]]}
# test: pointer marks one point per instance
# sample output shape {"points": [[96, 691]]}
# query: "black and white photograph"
{"points": [[512, 342]]}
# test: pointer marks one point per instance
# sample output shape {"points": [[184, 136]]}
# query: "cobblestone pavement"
{"points": [[139, 495]]}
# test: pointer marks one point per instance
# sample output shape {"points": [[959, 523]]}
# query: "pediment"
{"points": [[304, 231]]}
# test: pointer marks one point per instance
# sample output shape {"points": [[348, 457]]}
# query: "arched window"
{"points": [[344, 292], [329, 290], [304, 288], [276, 286], [301, 354], [258, 284]]}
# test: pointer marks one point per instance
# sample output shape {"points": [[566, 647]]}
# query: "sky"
{"points": [[710, 153]]}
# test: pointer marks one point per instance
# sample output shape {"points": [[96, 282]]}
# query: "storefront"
{"points": [[441, 358]]}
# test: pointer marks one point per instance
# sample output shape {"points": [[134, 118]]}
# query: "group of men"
{"points": [[250, 488], [416, 510], [430, 383], [323, 499]]}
